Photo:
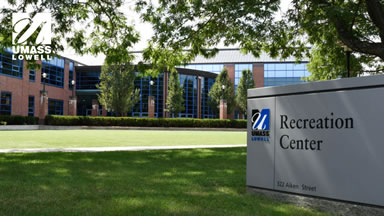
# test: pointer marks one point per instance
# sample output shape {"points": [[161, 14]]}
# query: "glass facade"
{"points": [[87, 79], [55, 107], [10, 67], [189, 83], [276, 74], [206, 110], [6, 103], [213, 68], [238, 72], [31, 105], [55, 72], [70, 75], [156, 90]]}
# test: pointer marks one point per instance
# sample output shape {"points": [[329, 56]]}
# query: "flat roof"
{"points": [[232, 56]]}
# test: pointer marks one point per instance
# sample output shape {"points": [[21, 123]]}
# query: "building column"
{"points": [[258, 75], [223, 109], [199, 97], [95, 107], [103, 111], [43, 106], [151, 107], [231, 75], [165, 95], [72, 106]]}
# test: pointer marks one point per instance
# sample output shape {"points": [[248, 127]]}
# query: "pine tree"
{"points": [[175, 100], [117, 88], [217, 93], [246, 82]]}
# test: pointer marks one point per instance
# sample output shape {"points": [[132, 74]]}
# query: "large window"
{"points": [[31, 105], [214, 68], [206, 109], [87, 80], [6, 103], [70, 75], [10, 67], [55, 107], [238, 72], [277, 74], [156, 90], [189, 84], [55, 72]]}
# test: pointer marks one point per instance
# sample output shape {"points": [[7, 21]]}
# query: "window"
{"points": [[31, 105], [55, 107], [70, 75], [55, 72], [10, 67], [276, 74], [6, 103], [32, 74]]}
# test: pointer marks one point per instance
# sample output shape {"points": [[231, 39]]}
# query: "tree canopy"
{"points": [[216, 93], [175, 100], [71, 24], [117, 88], [246, 82], [201, 25], [252, 24]]}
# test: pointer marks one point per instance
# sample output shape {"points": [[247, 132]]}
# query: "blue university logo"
{"points": [[260, 125]]}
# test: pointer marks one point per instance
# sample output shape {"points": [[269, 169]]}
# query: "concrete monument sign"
{"points": [[323, 139]]}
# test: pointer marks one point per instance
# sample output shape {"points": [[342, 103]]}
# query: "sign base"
{"points": [[334, 207]]}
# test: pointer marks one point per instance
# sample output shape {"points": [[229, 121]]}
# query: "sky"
{"points": [[144, 29]]}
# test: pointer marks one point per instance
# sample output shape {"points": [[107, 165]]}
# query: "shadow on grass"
{"points": [[169, 182]]}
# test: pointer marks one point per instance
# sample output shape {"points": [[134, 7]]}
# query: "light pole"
{"points": [[44, 77], [150, 86], [223, 88], [73, 88]]}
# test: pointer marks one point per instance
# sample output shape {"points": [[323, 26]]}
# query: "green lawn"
{"points": [[162, 182], [115, 138]]}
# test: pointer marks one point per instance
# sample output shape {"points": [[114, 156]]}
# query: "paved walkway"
{"points": [[108, 149]]}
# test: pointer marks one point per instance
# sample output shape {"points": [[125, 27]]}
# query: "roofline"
{"points": [[185, 71]]}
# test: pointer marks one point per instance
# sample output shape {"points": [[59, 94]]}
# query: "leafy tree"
{"points": [[246, 82], [217, 93], [175, 100], [251, 24], [117, 88], [109, 32]]}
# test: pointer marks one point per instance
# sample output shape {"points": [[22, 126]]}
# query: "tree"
{"points": [[251, 24], [217, 92], [175, 100], [107, 27], [246, 82], [117, 88]]}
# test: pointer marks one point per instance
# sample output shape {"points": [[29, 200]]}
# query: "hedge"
{"points": [[143, 122], [18, 120]]}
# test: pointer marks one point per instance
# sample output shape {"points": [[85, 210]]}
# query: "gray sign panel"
{"points": [[326, 144]]}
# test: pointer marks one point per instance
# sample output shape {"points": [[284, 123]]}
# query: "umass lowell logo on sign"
{"points": [[260, 125]]}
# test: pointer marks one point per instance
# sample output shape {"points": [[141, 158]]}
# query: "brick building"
{"points": [[22, 92]]}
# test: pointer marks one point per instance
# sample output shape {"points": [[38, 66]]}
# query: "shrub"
{"points": [[143, 122], [19, 120], [3, 123]]}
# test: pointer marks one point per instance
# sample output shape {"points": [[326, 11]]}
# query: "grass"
{"points": [[115, 138], [166, 182]]}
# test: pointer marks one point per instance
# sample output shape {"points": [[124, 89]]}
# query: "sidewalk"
{"points": [[109, 149]]}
